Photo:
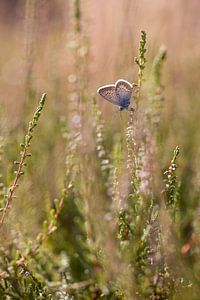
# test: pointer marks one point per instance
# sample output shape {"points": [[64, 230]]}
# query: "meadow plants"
{"points": [[116, 228]]}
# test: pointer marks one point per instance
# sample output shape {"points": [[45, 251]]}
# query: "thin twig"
{"points": [[24, 154]]}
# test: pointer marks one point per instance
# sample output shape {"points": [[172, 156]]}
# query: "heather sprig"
{"points": [[141, 59], [132, 164], [17, 279], [156, 96], [49, 226], [24, 154], [102, 152], [117, 161], [171, 181], [157, 66], [132, 127], [76, 15]]}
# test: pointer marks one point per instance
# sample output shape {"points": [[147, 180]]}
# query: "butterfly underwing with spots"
{"points": [[118, 94]]}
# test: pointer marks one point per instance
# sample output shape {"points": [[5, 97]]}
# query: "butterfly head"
{"points": [[121, 108]]}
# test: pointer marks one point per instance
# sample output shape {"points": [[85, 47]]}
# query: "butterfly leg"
{"points": [[131, 109]]}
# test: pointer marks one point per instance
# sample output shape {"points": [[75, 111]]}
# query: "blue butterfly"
{"points": [[118, 93]]}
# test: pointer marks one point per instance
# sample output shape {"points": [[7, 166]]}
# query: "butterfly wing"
{"points": [[123, 91], [108, 92]]}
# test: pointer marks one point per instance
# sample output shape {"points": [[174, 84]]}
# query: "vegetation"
{"points": [[94, 210]]}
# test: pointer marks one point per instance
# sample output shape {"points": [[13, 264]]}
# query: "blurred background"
{"points": [[35, 58]]}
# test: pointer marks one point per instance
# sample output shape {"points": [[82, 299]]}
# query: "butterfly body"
{"points": [[118, 94]]}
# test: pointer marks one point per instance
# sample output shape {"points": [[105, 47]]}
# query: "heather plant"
{"points": [[24, 154], [116, 222]]}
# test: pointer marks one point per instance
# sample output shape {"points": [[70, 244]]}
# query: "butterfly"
{"points": [[118, 94]]}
